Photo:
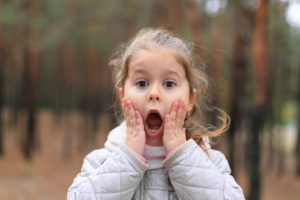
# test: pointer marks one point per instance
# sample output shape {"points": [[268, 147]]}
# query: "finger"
{"points": [[139, 121], [167, 121], [138, 118], [181, 112], [131, 113], [125, 108], [128, 117], [125, 112], [173, 111]]}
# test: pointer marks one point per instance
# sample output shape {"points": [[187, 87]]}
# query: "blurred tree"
{"points": [[241, 41], [162, 14], [174, 11], [260, 101], [68, 78], [2, 64], [194, 25], [298, 126], [67, 96], [216, 65], [13, 73], [92, 91], [30, 77], [278, 92]]}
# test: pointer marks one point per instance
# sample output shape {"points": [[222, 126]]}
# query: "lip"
{"points": [[153, 110], [149, 132]]}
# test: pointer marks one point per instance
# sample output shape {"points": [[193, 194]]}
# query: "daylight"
{"points": [[293, 13]]}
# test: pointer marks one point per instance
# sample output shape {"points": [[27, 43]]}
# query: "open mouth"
{"points": [[153, 123]]}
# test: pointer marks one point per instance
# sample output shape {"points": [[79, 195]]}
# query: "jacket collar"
{"points": [[116, 137]]}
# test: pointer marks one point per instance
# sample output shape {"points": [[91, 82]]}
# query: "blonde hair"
{"points": [[197, 78]]}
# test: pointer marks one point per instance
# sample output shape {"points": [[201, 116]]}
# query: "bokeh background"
{"points": [[56, 92]]}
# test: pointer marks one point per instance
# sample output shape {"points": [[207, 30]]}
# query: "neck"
{"points": [[154, 141]]}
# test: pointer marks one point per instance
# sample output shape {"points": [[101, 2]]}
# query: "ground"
{"points": [[49, 174]]}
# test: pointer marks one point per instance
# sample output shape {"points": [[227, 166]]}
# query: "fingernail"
{"points": [[181, 102]]}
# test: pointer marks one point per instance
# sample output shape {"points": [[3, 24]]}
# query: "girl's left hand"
{"points": [[174, 132]]}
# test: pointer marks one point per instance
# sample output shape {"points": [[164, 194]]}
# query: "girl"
{"points": [[154, 153]]}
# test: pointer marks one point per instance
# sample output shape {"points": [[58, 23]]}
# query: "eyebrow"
{"points": [[173, 73], [139, 71], [142, 71]]}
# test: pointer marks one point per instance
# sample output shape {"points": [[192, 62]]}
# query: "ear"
{"points": [[192, 100], [120, 94]]}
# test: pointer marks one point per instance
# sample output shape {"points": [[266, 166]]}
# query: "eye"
{"points": [[141, 83], [169, 84]]}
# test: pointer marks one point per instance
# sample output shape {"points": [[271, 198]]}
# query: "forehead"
{"points": [[156, 61]]}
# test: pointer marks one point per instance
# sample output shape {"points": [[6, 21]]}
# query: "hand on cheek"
{"points": [[136, 137], [174, 132]]}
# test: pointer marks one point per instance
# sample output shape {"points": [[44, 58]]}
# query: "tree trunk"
{"points": [[236, 92], [31, 64], [298, 143], [260, 62], [174, 14], [261, 79], [159, 16], [67, 81], [194, 24], [238, 77], [214, 68], [254, 153], [298, 128], [1, 93], [94, 81], [271, 115]]}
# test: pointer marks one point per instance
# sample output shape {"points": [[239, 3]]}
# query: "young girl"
{"points": [[153, 153]]}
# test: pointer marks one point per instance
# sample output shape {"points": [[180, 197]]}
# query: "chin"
{"points": [[153, 133]]}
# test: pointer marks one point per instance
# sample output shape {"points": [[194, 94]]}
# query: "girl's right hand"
{"points": [[136, 137]]}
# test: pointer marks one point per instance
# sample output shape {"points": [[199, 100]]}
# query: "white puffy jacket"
{"points": [[116, 172]]}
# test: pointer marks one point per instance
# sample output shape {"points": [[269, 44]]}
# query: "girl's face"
{"points": [[155, 80]]}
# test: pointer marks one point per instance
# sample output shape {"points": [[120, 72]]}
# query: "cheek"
{"points": [[183, 95], [171, 101], [135, 96], [130, 91]]}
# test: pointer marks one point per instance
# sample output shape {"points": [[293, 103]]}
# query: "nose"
{"points": [[154, 94], [154, 98]]}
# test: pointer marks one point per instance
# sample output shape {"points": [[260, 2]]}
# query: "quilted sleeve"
{"points": [[194, 175], [108, 175]]}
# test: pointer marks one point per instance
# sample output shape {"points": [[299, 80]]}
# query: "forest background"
{"points": [[56, 89]]}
